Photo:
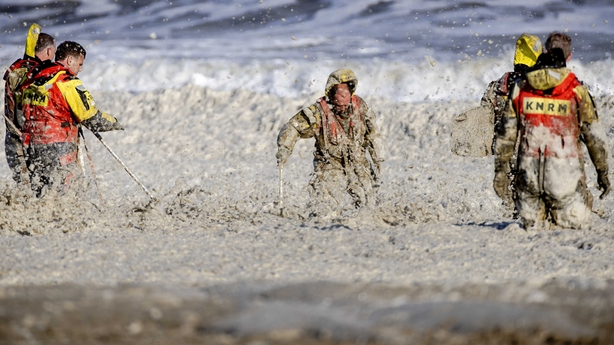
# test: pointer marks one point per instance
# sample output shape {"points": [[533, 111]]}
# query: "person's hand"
{"points": [[283, 153], [117, 126], [604, 184], [375, 172], [102, 123]]}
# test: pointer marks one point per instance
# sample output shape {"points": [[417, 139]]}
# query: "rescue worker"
{"points": [[344, 129], [528, 49], [39, 47], [545, 121], [55, 105]]}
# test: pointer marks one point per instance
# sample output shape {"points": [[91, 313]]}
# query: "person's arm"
{"points": [[84, 108], [594, 137], [373, 140], [9, 99], [301, 125], [495, 95], [489, 98], [14, 78], [506, 132]]}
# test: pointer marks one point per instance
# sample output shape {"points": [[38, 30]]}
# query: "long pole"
{"points": [[92, 168], [136, 179], [281, 191]]}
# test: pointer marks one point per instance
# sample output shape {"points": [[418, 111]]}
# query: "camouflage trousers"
{"points": [[552, 188], [341, 187]]}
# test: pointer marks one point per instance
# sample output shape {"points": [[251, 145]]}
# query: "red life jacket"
{"points": [[48, 115], [549, 121], [333, 131]]}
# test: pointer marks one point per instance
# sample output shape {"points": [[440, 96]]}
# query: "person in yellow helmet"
{"points": [[348, 148], [528, 50], [39, 47]]}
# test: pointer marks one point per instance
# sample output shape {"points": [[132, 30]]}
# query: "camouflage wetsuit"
{"points": [[528, 49], [342, 167]]}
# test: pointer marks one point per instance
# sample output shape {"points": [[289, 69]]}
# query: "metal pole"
{"points": [[136, 179], [281, 191], [92, 168]]}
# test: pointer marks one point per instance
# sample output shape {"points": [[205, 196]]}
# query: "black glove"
{"points": [[117, 127], [604, 183], [100, 123], [110, 126]]}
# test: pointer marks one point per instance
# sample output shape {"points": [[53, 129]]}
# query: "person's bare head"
{"points": [[70, 55], [341, 96], [45, 47], [559, 40]]}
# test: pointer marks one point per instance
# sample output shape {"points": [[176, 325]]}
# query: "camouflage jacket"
{"points": [[337, 139]]}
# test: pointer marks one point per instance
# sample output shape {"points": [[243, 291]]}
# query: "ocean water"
{"points": [[408, 51]]}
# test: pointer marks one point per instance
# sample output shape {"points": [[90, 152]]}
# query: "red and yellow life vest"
{"points": [[49, 118], [549, 121]]}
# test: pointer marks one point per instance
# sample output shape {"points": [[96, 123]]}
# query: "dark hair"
{"points": [[553, 58], [69, 48], [44, 41], [559, 40], [521, 68]]}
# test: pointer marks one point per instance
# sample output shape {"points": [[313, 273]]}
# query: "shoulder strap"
{"points": [[356, 104], [324, 122], [324, 106]]}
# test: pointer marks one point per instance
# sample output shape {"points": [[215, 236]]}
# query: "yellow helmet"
{"points": [[341, 76], [31, 39], [528, 49]]}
